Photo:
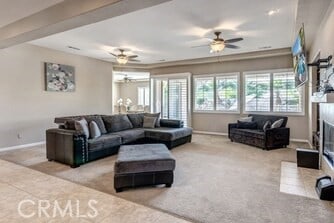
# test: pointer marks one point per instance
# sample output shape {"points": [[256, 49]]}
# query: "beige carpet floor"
{"points": [[215, 181]]}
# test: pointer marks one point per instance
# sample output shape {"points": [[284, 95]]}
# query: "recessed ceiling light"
{"points": [[73, 48], [273, 12]]}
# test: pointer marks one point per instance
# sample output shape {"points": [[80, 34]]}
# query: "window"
{"points": [[272, 92], [204, 94], [143, 96], [257, 92], [227, 93], [216, 93]]}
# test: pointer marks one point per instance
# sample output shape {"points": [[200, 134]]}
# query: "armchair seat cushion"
{"points": [[104, 141], [130, 135], [168, 134], [249, 132]]}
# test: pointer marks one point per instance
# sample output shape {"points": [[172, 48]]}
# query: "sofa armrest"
{"points": [[277, 137], [171, 123], [231, 126], [66, 146]]}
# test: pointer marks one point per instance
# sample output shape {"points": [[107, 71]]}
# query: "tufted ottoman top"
{"points": [[143, 158]]}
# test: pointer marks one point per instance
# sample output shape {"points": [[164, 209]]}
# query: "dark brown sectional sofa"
{"points": [[66, 145]]}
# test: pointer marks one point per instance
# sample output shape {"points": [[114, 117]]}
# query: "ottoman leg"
{"points": [[168, 185]]}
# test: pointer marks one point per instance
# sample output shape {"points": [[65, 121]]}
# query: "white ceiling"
{"points": [[119, 76], [168, 31], [13, 10]]}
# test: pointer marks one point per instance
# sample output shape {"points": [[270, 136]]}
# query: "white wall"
{"points": [[27, 109], [130, 90], [218, 122]]}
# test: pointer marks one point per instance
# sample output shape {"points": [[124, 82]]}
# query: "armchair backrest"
{"points": [[261, 119]]}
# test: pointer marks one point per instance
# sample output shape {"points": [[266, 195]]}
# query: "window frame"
{"points": [[214, 76], [271, 112]]}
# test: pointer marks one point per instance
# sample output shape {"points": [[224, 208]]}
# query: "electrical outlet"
{"points": [[19, 136]]}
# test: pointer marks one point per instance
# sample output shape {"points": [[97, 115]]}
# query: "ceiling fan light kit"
{"points": [[217, 46], [122, 59]]}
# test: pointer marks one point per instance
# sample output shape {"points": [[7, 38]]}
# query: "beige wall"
{"points": [[130, 90], [218, 122], [27, 109], [325, 36]]}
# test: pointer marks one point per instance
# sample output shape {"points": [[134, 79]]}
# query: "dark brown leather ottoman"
{"points": [[142, 165]]}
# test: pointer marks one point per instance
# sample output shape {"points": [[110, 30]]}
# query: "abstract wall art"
{"points": [[59, 77]]}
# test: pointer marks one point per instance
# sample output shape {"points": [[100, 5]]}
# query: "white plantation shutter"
{"points": [[272, 92], [286, 97], [227, 93], [178, 100], [257, 92], [204, 93], [171, 96]]}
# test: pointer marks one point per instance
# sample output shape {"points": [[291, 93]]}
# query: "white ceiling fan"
{"points": [[122, 58]]}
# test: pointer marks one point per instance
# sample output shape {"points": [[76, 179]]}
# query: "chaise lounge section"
{"points": [[67, 145]]}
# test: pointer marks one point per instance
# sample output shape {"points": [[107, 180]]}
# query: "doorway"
{"points": [[171, 96]]}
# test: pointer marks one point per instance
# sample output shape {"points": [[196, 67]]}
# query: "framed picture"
{"points": [[59, 77]]}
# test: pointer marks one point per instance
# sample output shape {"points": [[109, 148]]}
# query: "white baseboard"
{"points": [[225, 134], [210, 133], [22, 146]]}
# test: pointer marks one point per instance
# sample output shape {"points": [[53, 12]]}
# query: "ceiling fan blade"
{"points": [[200, 46], [133, 56], [233, 40], [113, 54], [231, 46], [134, 60]]}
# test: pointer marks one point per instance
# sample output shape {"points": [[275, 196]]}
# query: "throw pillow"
{"points": [[246, 125], [156, 115], [82, 126], [116, 123], [277, 123], [136, 120], [94, 130], [267, 125], [98, 120], [149, 122], [246, 119]]}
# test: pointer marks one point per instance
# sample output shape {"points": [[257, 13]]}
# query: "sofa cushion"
{"points": [[94, 130], [254, 133], [262, 119], [149, 122], [247, 125], [130, 135], [82, 126], [157, 115], [136, 119], [115, 123], [98, 120], [104, 141], [143, 158], [168, 134]]}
